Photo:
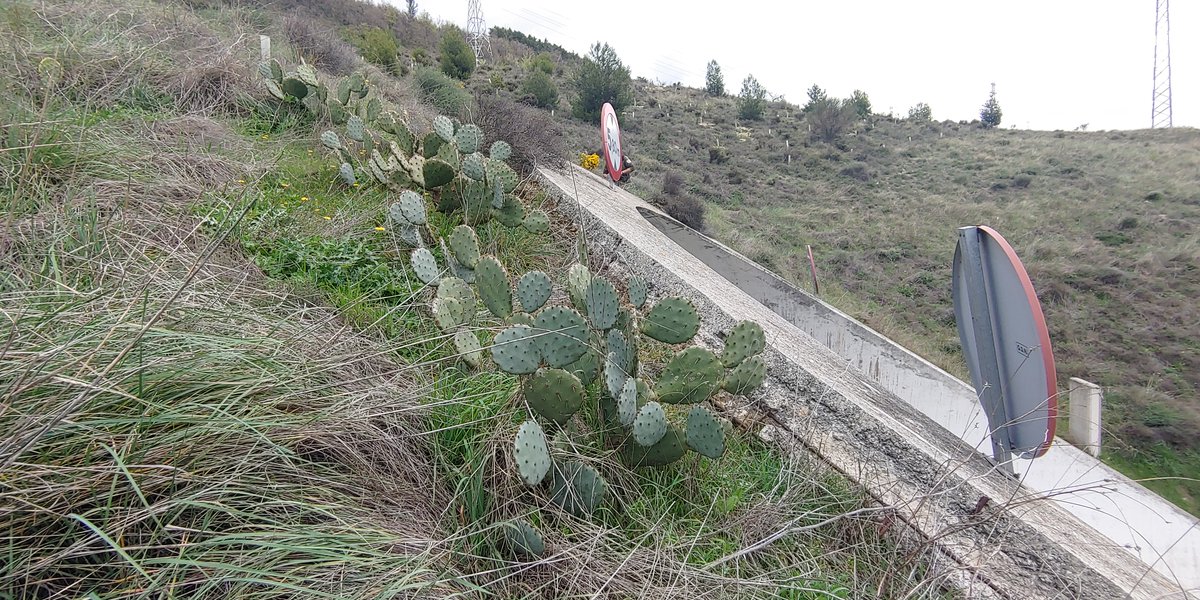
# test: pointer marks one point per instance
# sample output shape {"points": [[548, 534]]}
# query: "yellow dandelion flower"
{"points": [[328, 218], [380, 229], [242, 181], [304, 198], [355, 184], [284, 184]]}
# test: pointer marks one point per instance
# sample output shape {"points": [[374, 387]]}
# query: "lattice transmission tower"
{"points": [[477, 31], [1160, 113]]}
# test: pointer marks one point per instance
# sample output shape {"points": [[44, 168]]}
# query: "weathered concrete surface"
{"points": [[1128, 514], [1020, 546]]}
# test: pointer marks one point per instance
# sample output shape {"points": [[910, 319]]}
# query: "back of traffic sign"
{"points": [[610, 136]]}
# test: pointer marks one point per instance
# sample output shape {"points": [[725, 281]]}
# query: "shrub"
{"points": [[378, 46], [816, 95], [672, 183], [718, 155], [686, 210], [421, 57], [752, 101], [990, 115], [830, 118], [533, 134], [443, 93], [457, 60], [602, 78], [921, 113], [714, 82], [540, 89], [319, 46], [861, 104], [543, 62]]}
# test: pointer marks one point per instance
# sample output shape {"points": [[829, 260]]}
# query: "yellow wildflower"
{"points": [[379, 229], [328, 218], [304, 198]]}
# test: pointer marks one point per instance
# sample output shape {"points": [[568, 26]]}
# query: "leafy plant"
{"points": [[540, 89], [990, 115], [816, 95], [378, 46], [714, 82], [442, 92], [861, 104], [920, 113], [602, 78], [457, 58], [752, 101]]}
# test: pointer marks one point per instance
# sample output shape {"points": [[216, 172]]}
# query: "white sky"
{"points": [[1056, 63]]}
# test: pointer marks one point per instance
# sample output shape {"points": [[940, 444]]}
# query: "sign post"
{"points": [[1006, 345]]}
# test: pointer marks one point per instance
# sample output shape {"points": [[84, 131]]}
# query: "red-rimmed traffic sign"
{"points": [[610, 137], [1006, 344]]}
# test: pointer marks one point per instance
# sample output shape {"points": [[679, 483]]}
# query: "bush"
{"points": [[377, 46], [990, 115], [686, 210], [443, 93], [861, 104], [714, 82], [753, 99], [921, 113], [540, 89], [458, 60], [830, 118], [543, 62], [718, 155], [533, 134], [319, 46], [602, 78], [816, 95]]}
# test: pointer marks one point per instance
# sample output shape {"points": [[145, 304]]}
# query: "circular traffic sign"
{"points": [[610, 137]]}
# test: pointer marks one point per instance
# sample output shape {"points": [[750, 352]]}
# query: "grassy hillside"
{"points": [[221, 378], [1107, 223]]}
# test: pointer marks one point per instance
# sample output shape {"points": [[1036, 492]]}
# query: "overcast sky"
{"points": [[1056, 64]]}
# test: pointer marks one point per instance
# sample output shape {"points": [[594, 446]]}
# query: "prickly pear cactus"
{"points": [[307, 74], [494, 289], [453, 287], [472, 166], [531, 453], [637, 291], [523, 540], [669, 449], [294, 88], [747, 376], [619, 346], [468, 138], [554, 394], [437, 173], [448, 313], [425, 266], [627, 401], [411, 207], [500, 171], [578, 280], [466, 343], [562, 335], [337, 112], [276, 71], [444, 127], [705, 434], [355, 128], [500, 150], [673, 321], [537, 221], [577, 488], [347, 174], [691, 376], [650, 424], [330, 140], [533, 290], [602, 303], [745, 340], [512, 212], [465, 245], [515, 350], [373, 108]]}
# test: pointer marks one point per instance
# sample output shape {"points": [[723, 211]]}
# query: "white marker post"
{"points": [[1086, 401]]}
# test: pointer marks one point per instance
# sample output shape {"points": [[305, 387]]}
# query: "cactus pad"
{"points": [[554, 394], [531, 453], [537, 221], [356, 82], [562, 335], [453, 287], [412, 206], [515, 350], [522, 539], [410, 234], [673, 321], [578, 280], [436, 173], [669, 449], [294, 88], [425, 265], [497, 196], [745, 340], [347, 174], [494, 288], [747, 376], [472, 166], [376, 172], [624, 350], [512, 213], [588, 365], [533, 290], [637, 291], [276, 71], [465, 245], [337, 112], [520, 318], [602, 303], [276, 90], [627, 402], [330, 140], [373, 109], [691, 376], [469, 137], [449, 154], [614, 375], [705, 434], [467, 346], [444, 127], [355, 128], [499, 171], [448, 313], [307, 74], [343, 91], [500, 150], [577, 488], [650, 424]]}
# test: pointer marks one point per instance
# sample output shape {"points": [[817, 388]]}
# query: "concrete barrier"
{"points": [[1086, 400]]}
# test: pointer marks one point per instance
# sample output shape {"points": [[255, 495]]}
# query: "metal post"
{"points": [[991, 393]]}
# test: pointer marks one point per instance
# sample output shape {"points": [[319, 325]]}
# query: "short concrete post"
{"points": [[264, 47], [1084, 413]]}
